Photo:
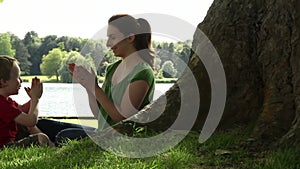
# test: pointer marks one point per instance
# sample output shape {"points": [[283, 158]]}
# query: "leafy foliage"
{"points": [[5, 45], [22, 54], [168, 70], [52, 62], [73, 57], [31, 50], [32, 42]]}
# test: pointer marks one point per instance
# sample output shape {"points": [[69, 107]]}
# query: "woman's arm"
{"points": [[93, 104], [134, 97], [131, 101], [88, 81]]}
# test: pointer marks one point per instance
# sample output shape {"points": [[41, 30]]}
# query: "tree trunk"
{"points": [[258, 44], [57, 75]]}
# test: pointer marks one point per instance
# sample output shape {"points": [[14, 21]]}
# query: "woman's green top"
{"points": [[141, 71]]}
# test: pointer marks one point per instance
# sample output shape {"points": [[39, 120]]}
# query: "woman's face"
{"points": [[116, 41]]}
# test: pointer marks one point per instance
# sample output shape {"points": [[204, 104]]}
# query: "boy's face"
{"points": [[13, 85]]}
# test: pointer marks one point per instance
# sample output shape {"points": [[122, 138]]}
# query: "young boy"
{"points": [[12, 114]]}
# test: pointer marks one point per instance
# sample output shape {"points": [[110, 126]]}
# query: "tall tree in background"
{"points": [[32, 43], [5, 45], [21, 55], [47, 44], [51, 62], [70, 43], [37, 47], [98, 51]]}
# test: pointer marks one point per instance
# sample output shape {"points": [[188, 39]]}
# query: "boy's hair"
{"points": [[6, 64]]}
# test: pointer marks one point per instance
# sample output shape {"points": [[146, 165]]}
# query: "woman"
{"points": [[129, 82]]}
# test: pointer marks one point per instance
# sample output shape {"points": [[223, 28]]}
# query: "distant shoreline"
{"points": [[47, 79]]}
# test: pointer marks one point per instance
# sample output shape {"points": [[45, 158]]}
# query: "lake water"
{"points": [[65, 99]]}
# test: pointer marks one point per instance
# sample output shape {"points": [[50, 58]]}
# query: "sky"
{"points": [[84, 18]]}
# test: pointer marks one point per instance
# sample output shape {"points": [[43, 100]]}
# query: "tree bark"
{"points": [[258, 44]]}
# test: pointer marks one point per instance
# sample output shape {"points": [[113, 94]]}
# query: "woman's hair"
{"points": [[127, 25], [6, 64]]}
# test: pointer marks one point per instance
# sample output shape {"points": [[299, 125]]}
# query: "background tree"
{"points": [[21, 55], [32, 48], [51, 62], [157, 64], [5, 45], [78, 59], [71, 57], [168, 70], [171, 47], [70, 43], [46, 44], [32, 42], [30, 38], [102, 62], [98, 51], [181, 55]]}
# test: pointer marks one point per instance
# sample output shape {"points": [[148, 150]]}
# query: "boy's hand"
{"points": [[27, 89], [36, 89]]}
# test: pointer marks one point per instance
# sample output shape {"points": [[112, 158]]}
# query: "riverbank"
{"points": [[47, 79]]}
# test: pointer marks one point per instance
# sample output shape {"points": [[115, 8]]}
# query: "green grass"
{"points": [[222, 150]]}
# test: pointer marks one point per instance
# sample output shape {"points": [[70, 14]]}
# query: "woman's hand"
{"points": [[87, 79]]}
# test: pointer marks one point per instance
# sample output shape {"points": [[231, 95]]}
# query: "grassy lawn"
{"points": [[223, 150]]}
